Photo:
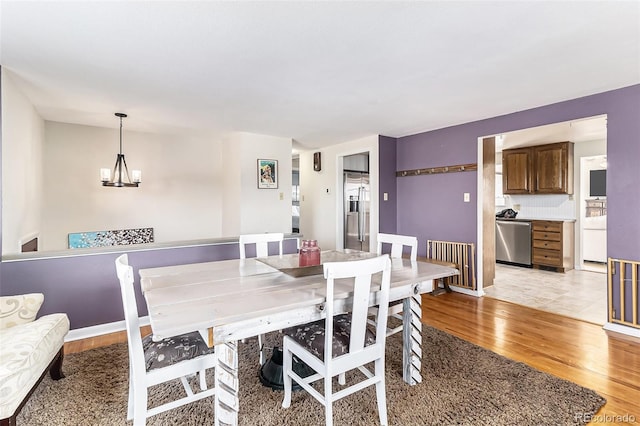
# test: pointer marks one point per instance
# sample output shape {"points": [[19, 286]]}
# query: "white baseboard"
{"points": [[99, 330], [475, 293], [622, 329]]}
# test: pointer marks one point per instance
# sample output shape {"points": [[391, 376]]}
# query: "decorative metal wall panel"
{"points": [[110, 238]]}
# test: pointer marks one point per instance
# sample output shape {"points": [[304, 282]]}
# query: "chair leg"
{"points": [[140, 406], [130, 401], [56, 367], [342, 379], [261, 348], [328, 402], [203, 379], [287, 363], [380, 392]]}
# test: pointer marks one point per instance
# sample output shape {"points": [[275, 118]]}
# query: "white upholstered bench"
{"points": [[29, 348]]}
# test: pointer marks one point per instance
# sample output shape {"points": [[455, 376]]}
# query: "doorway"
{"points": [[295, 194], [578, 293], [356, 201], [593, 203]]}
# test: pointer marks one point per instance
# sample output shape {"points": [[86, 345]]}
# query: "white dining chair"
{"points": [[261, 242], [152, 363], [338, 344], [398, 243]]}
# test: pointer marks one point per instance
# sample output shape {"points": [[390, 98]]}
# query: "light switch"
{"points": [[385, 196], [282, 195], [467, 197]]}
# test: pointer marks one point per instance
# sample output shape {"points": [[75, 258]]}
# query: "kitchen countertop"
{"points": [[531, 219]]}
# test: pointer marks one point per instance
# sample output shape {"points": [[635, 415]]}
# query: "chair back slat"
{"points": [[361, 273], [398, 242], [261, 242], [362, 290]]}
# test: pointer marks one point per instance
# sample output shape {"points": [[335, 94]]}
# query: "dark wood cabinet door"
{"points": [[516, 171], [553, 164]]}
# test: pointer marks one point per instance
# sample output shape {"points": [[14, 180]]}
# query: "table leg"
{"points": [[226, 382], [412, 339]]}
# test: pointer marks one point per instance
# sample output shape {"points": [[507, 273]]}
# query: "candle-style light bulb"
{"points": [[105, 175]]}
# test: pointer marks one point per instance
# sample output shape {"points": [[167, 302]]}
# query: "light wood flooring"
{"points": [[575, 350], [578, 351], [580, 294]]}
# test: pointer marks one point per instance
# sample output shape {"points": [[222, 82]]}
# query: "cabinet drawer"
{"points": [[543, 225], [546, 244], [548, 236], [546, 257]]}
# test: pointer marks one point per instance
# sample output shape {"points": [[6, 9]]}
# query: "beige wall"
{"points": [[265, 210], [22, 145], [193, 186], [247, 209], [180, 195], [321, 216]]}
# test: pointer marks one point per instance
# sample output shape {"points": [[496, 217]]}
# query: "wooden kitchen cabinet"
{"points": [[516, 171], [541, 169], [553, 168], [552, 244]]}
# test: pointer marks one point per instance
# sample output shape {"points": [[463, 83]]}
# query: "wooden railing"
{"points": [[461, 254], [623, 286]]}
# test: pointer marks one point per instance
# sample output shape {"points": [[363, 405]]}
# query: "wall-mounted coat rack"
{"points": [[441, 169]]}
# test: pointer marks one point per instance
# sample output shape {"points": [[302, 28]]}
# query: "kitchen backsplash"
{"points": [[552, 206]]}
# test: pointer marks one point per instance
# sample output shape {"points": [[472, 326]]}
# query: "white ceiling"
{"points": [[582, 130], [317, 72]]}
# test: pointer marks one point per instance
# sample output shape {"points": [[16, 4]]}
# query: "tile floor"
{"points": [[576, 294]]}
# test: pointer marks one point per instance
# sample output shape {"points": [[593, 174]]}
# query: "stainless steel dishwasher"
{"points": [[513, 242]]}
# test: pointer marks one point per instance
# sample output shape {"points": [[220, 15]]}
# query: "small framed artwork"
{"points": [[267, 174]]}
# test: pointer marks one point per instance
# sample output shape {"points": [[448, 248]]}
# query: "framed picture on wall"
{"points": [[267, 174]]}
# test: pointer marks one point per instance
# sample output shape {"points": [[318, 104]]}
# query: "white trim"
{"points": [[622, 329], [100, 329], [340, 201], [475, 293]]}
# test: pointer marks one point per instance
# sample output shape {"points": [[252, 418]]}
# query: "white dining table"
{"points": [[235, 299]]}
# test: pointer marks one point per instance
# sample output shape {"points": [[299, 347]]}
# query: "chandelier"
{"points": [[120, 171]]}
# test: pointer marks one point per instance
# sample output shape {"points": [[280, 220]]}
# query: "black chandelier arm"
{"points": [[126, 169]]}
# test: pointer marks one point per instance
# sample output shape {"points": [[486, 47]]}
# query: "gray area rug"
{"points": [[463, 384]]}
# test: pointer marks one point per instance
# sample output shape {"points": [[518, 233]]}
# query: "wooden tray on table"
{"points": [[288, 263]]}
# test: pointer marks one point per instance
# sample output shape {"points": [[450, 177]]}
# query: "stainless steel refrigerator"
{"points": [[356, 215]]}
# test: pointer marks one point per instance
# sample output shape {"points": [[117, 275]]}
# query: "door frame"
{"points": [[373, 188]]}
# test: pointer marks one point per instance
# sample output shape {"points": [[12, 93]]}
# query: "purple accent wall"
{"points": [[86, 287], [431, 206], [387, 171], [435, 197]]}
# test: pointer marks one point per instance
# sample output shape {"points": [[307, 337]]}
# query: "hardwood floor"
{"points": [[575, 350], [98, 341], [578, 351]]}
